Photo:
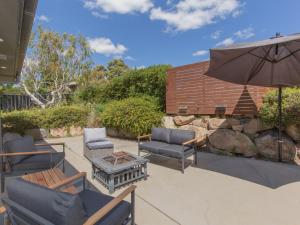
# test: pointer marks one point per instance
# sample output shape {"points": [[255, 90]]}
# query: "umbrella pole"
{"points": [[279, 124]]}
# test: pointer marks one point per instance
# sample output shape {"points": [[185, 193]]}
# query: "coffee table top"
{"points": [[117, 161]]}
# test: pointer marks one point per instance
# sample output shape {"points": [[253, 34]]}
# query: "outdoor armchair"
{"points": [[29, 203], [95, 142], [173, 143], [22, 156]]}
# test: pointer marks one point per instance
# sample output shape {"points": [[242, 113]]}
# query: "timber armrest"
{"points": [[190, 141], [68, 180], [26, 153], [144, 137], [49, 144], [109, 206]]}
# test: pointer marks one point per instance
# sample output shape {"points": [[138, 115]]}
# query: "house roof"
{"points": [[16, 19]]}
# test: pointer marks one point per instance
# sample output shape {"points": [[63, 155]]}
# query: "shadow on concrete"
{"points": [[266, 173]]}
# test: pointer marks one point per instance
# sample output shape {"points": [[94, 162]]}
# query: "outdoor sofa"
{"points": [[31, 204], [22, 156], [95, 142], [173, 143]]}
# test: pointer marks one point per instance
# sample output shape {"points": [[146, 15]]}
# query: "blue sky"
{"points": [[176, 32]]}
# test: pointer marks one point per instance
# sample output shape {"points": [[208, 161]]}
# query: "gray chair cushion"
{"points": [[174, 151], [94, 134], [181, 136], [38, 162], [93, 201], [24, 144], [99, 145], [152, 146], [56, 207], [160, 134]]}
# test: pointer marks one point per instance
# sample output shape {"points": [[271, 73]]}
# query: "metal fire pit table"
{"points": [[118, 169]]}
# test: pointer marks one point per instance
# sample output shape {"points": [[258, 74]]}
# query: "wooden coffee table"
{"points": [[118, 169]]}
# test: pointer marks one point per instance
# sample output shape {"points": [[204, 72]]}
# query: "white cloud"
{"points": [[245, 33], [106, 47], [226, 42], [194, 14], [141, 67], [215, 35], [200, 53], [119, 6], [99, 15], [130, 58], [44, 18]]}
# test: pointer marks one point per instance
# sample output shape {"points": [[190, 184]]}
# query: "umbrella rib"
{"points": [[291, 54], [262, 58]]}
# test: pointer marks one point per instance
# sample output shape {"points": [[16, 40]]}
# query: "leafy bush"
{"points": [[149, 81], [59, 116], [290, 107], [136, 115]]}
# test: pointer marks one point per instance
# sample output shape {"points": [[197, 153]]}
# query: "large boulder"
{"points": [[200, 133], [168, 122], [232, 141], [255, 125], [218, 123], [75, 131], [59, 132], [267, 147], [293, 131], [200, 123], [183, 120]]}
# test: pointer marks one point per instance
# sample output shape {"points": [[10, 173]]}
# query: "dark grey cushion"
{"points": [[24, 144], [152, 146], [180, 136], [38, 162], [93, 201], [174, 151], [57, 207], [99, 145], [160, 134]]}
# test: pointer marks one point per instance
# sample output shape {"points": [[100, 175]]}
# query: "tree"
{"points": [[53, 61], [116, 68]]}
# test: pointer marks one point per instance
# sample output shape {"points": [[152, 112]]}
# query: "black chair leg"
{"points": [[2, 180], [133, 208], [182, 164]]}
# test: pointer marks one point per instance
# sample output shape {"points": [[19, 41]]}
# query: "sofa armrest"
{"points": [[190, 142], [52, 144], [110, 206], [26, 153], [148, 136]]}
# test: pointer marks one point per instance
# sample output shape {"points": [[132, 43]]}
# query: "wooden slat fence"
{"points": [[10, 102], [189, 91]]}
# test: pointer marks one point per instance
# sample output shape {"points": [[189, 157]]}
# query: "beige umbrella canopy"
{"points": [[273, 62]]}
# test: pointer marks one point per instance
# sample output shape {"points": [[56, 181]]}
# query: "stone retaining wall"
{"points": [[247, 137]]}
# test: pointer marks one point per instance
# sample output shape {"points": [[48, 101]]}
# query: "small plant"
{"points": [[136, 115]]}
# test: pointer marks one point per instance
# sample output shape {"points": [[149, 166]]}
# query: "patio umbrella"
{"points": [[273, 62]]}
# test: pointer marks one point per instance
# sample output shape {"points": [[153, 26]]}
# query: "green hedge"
{"points": [[149, 81], [290, 107], [136, 115], [56, 117]]}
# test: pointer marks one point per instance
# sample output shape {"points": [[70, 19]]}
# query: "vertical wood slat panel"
{"points": [[188, 87]]}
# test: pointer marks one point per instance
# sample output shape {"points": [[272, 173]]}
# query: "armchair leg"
{"points": [[139, 152], [133, 208], [2, 180], [182, 164], [63, 165]]}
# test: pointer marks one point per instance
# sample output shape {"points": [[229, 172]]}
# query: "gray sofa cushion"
{"points": [[99, 145], [160, 134], [93, 201], [23, 144], [174, 151], [94, 134], [37, 162], [56, 207], [181, 136], [152, 146]]}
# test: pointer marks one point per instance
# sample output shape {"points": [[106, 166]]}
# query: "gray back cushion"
{"points": [[23, 144], [94, 134], [57, 207], [161, 134], [180, 136]]}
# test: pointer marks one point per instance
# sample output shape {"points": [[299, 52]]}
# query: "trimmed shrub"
{"points": [[290, 107], [136, 115], [56, 117]]}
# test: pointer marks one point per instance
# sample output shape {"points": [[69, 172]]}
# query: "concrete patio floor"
{"points": [[220, 191]]}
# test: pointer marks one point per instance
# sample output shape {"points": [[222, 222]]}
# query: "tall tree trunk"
{"points": [[33, 98]]}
